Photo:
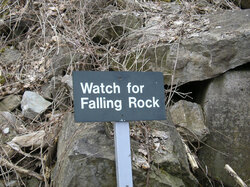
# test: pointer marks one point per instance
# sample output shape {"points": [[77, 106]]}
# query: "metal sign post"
{"points": [[123, 155]]}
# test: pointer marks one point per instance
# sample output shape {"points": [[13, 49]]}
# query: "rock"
{"points": [[189, 119], [243, 3], [32, 182], [2, 184], [10, 103], [226, 108], [33, 104], [10, 126], [221, 43], [112, 26], [6, 130], [51, 89], [85, 157], [10, 56], [61, 60], [59, 89], [67, 79], [46, 91], [11, 183]]}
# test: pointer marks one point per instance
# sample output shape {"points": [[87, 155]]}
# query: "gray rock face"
{"points": [[190, 120], [33, 104], [226, 107], [10, 103], [222, 43], [86, 157]]}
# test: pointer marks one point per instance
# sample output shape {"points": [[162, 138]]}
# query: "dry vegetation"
{"points": [[43, 31]]}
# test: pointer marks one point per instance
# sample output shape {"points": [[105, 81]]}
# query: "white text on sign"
{"points": [[103, 103]]}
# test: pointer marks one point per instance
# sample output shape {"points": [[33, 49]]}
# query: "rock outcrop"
{"points": [[42, 43], [221, 44], [226, 107]]}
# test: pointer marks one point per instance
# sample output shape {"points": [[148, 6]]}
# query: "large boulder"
{"points": [[210, 45], [86, 156], [226, 107]]}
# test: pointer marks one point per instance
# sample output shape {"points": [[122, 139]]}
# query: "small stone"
{"points": [[190, 119], [10, 103], [179, 22], [67, 79], [33, 182], [6, 118], [155, 140], [9, 126], [9, 183], [33, 104], [144, 152], [6, 130], [160, 134], [156, 146]]}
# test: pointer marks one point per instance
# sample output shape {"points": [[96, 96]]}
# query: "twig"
{"points": [[235, 176], [191, 158], [6, 163]]}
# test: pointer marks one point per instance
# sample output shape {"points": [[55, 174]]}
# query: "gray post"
{"points": [[123, 155]]}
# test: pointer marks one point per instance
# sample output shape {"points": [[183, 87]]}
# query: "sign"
{"points": [[118, 96]]}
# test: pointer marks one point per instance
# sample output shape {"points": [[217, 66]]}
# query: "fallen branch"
{"points": [[191, 158], [235, 176], [6, 163]]}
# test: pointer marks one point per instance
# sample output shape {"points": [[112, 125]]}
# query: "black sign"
{"points": [[118, 96]]}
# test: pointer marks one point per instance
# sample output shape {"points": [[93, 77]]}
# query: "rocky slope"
{"points": [[202, 48]]}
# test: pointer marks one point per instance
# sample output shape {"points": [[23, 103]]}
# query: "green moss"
{"points": [[2, 50], [2, 80]]}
